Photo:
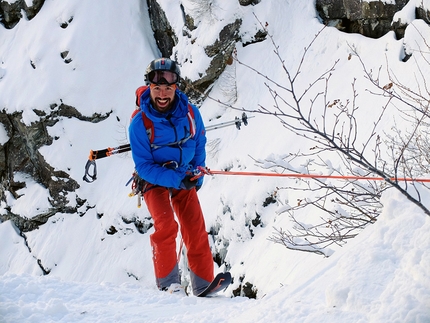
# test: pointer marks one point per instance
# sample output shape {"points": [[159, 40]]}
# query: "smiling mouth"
{"points": [[162, 103]]}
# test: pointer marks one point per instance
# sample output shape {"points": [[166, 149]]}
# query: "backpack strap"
{"points": [[190, 116], [149, 126], [139, 93]]}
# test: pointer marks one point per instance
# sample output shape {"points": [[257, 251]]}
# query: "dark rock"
{"points": [[249, 2], [245, 290], [423, 14], [163, 33], [369, 18], [65, 24], [21, 154], [259, 36], [11, 13], [220, 52]]}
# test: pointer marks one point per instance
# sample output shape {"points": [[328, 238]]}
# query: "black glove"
{"points": [[187, 183]]}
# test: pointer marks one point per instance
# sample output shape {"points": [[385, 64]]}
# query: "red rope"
{"points": [[207, 171]]}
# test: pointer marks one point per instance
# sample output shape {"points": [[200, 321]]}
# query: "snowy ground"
{"points": [[387, 281], [380, 276]]}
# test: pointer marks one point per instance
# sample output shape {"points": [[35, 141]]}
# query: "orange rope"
{"points": [[351, 177]]}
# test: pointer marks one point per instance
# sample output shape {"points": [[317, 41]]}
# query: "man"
{"points": [[165, 157]]}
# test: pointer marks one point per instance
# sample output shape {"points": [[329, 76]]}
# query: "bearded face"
{"points": [[162, 96]]}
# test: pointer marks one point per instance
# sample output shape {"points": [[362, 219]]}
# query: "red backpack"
{"points": [[149, 125]]}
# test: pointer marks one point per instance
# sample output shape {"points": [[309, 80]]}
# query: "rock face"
{"points": [[20, 155], [423, 14], [369, 18], [219, 52], [163, 32], [11, 13]]}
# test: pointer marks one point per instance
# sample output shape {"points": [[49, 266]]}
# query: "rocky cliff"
{"points": [[20, 152]]}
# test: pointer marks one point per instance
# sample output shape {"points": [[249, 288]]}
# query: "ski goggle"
{"points": [[163, 77]]}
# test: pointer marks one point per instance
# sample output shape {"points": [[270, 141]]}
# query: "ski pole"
{"points": [[107, 152], [206, 171], [97, 154], [237, 121]]}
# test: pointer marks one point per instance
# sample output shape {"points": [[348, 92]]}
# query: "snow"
{"points": [[3, 135], [34, 198], [407, 14], [94, 276]]}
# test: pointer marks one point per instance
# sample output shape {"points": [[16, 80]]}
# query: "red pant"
{"points": [[163, 203]]}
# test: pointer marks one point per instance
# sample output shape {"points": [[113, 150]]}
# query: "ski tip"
{"points": [[219, 283]]}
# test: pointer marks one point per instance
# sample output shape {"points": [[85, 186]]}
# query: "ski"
{"points": [[220, 282]]}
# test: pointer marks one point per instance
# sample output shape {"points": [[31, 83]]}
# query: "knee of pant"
{"points": [[165, 233]]}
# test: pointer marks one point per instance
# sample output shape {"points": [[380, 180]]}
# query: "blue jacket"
{"points": [[169, 128]]}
